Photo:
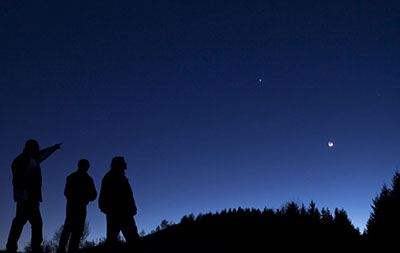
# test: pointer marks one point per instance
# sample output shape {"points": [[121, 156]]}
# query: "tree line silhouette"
{"points": [[241, 228]]}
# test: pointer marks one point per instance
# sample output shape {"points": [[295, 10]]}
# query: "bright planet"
{"points": [[330, 144]]}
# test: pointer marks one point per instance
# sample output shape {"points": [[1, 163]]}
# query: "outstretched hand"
{"points": [[58, 146]]}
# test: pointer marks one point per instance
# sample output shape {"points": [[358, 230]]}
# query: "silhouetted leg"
{"points": [[17, 225], [78, 226], [37, 228], [113, 229], [130, 231], [64, 236]]}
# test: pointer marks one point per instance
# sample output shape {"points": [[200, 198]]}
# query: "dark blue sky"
{"points": [[173, 86]]}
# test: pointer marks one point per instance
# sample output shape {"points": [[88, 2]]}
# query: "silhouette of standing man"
{"points": [[117, 202], [79, 191], [27, 183]]}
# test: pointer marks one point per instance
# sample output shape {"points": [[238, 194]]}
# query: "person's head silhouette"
{"points": [[83, 165], [118, 163], [31, 147]]}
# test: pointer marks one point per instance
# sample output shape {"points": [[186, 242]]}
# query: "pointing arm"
{"points": [[45, 153]]}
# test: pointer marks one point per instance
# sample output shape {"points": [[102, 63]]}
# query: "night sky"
{"points": [[174, 87]]}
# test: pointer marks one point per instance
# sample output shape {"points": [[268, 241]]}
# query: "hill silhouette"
{"points": [[289, 228]]}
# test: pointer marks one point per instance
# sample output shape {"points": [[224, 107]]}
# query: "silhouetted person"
{"points": [[117, 202], [79, 191], [27, 183]]}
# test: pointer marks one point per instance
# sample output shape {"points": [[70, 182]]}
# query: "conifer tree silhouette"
{"points": [[384, 222]]}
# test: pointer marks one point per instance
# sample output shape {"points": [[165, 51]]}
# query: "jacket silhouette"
{"points": [[27, 174], [117, 202], [116, 195], [27, 186], [79, 191]]}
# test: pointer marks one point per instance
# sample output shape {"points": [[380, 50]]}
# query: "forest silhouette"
{"points": [[292, 227]]}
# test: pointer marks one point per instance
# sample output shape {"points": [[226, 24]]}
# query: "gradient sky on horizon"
{"points": [[174, 87]]}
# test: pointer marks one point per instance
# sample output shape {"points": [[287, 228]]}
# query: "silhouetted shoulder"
{"points": [[21, 162], [79, 176], [110, 178], [80, 187], [71, 176], [108, 175]]}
